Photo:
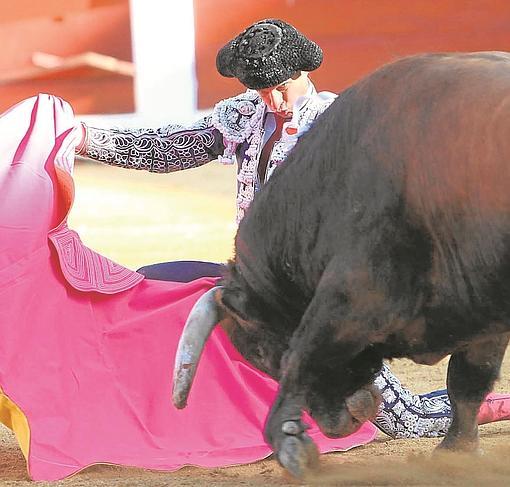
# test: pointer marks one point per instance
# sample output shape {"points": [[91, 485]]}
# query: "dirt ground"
{"points": [[384, 462], [134, 218]]}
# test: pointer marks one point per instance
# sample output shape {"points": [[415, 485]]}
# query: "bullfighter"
{"points": [[256, 130]]}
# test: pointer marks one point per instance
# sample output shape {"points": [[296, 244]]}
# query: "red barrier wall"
{"points": [[356, 35], [66, 28]]}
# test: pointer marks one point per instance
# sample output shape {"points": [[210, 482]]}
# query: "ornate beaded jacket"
{"points": [[235, 132]]}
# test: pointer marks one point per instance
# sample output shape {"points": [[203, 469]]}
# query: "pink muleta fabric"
{"points": [[87, 345]]}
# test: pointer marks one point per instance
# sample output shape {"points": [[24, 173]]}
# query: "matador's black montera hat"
{"points": [[268, 53]]}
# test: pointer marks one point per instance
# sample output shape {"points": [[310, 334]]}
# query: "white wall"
{"points": [[163, 51]]}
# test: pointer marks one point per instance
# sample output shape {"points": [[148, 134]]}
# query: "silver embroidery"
{"points": [[308, 109], [166, 149], [406, 415], [313, 106], [236, 117]]}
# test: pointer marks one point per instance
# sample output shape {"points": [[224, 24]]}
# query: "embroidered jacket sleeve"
{"points": [[406, 415], [166, 149]]}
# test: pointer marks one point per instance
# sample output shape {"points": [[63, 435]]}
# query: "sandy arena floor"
{"points": [[138, 219]]}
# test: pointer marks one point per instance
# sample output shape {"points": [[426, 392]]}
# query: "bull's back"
{"points": [[445, 140], [457, 143], [419, 151]]}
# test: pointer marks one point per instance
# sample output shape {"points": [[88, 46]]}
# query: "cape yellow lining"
{"points": [[12, 417]]}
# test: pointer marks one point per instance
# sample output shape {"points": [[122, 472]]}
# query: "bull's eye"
{"points": [[242, 321]]}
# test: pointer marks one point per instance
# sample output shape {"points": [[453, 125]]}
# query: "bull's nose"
{"points": [[338, 424]]}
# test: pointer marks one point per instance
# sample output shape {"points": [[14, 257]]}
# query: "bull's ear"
{"points": [[237, 299]]}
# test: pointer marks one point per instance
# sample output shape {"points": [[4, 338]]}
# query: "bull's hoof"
{"points": [[297, 453], [454, 444]]}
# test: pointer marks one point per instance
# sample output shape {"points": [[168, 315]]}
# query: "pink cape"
{"points": [[87, 346]]}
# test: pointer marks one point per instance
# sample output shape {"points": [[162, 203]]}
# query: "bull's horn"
{"points": [[203, 317]]}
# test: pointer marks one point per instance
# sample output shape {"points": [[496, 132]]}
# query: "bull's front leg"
{"points": [[328, 370], [286, 433], [471, 376], [335, 414]]}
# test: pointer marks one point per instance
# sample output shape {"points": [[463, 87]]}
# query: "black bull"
{"points": [[386, 234]]}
